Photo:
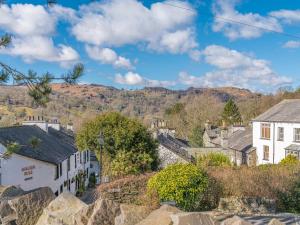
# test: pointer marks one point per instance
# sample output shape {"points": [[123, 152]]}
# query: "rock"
{"points": [[24, 209], [7, 192], [246, 205], [131, 214], [62, 210], [193, 218], [236, 220], [161, 216], [104, 212], [82, 217], [275, 222]]}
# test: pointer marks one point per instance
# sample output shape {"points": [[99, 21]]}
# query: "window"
{"points": [[80, 157], [75, 156], [266, 152], [280, 134], [56, 193], [68, 164], [61, 188], [57, 172], [265, 131], [297, 134], [84, 157], [60, 169]]}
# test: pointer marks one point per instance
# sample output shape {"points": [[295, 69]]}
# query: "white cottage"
{"points": [[276, 133], [53, 162]]}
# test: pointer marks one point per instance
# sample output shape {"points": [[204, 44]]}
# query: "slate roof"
{"points": [[286, 111], [241, 140], [293, 147], [175, 145], [54, 148]]}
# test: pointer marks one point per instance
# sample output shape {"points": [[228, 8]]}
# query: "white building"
{"points": [[276, 133], [53, 161]]}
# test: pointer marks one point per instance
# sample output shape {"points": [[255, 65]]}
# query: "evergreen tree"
{"points": [[231, 114]]}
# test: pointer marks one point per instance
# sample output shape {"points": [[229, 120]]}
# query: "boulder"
{"points": [[104, 212], [82, 217], [62, 210], [161, 216], [236, 220], [193, 218], [25, 209], [275, 222], [7, 192], [131, 214]]}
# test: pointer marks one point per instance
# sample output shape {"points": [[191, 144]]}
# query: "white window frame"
{"points": [[280, 134], [296, 135]]}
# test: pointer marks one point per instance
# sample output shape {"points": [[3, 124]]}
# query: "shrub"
{"points": [[183, 183], [263, 181], [213, 159], [289, 160], [290, 201]]}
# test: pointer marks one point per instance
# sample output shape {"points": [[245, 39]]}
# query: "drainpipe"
{"points": [[273, 143]]}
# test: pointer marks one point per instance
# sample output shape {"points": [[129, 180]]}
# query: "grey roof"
{"points": [[175, 145], [286, 111], [55, 146], [293, 147], [241, 140]]}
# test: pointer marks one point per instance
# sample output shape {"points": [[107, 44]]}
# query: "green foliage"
{"points": [[11, 147], [38, 86], [213, 159], [290, 201], [183, 183], [231, 114], [175, 109], [126, 163], [34, 142], [121, 134], [289, 160], [196, 138]]}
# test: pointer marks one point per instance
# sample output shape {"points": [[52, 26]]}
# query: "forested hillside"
{"points": [[186, 110]]}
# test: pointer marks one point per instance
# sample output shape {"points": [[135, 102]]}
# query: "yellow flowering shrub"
{"points": [[183, 183]]}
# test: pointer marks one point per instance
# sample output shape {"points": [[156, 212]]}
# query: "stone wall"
{"points": [[128, 190], [245, 205], [167, 157]]}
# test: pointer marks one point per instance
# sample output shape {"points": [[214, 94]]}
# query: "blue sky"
{"points": [[131, 44]]}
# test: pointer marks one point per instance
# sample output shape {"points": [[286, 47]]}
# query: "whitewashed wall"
{"points": [[277, 148], [43, 173]]}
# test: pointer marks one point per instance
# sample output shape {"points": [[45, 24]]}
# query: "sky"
{"points": [[174, 44]]}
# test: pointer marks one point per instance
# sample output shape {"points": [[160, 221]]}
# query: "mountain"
{"points": [[79, 102]]}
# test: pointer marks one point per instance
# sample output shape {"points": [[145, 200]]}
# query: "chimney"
{"points": [[70, 127], [207, 125], [224, 138]]}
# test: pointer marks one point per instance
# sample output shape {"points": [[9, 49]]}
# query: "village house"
{"points": [[46, 157], [235, 141], [276, 132], [171, 149]]}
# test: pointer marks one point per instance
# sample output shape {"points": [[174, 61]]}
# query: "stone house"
{"points": [[234, 141], [53, 161]]}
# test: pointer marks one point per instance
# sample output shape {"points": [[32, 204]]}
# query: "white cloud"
{"points": [[134, 79], [288, 16], [108, 56], [32, 27], [234, 68], [292, 44], [117, 23], [225, 10]]}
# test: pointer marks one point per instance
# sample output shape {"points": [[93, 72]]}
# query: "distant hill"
{"points": [[78, 102]]}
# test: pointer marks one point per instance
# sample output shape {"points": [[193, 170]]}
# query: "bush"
{"points": [[263, 181], [289, 160], [213, 159], [183, 183], [129, 163], [290, 201]]}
